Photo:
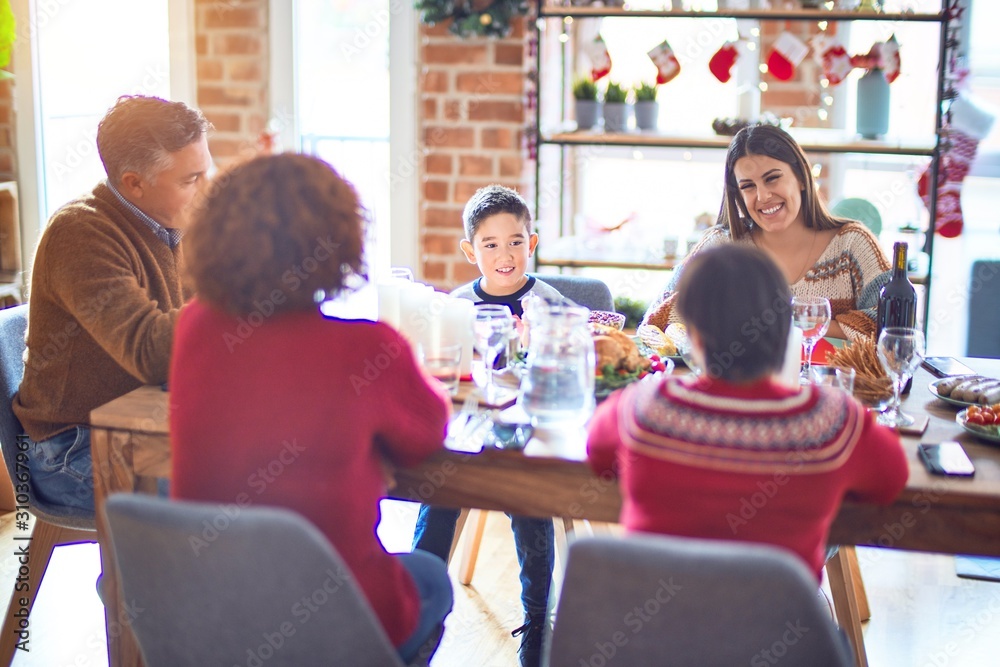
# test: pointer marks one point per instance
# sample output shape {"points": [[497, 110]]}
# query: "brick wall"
{"points": [[471, 133], [7, 171], [231, 41]]}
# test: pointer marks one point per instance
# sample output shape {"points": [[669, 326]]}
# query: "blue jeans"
{"points": [[533, 540], [62, 471], [430, 575]]}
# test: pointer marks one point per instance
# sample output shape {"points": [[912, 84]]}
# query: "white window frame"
{"points": [[403, 228], [30, 169]]}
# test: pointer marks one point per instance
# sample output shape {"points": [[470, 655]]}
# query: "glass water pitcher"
{"points": [[558, 383]]}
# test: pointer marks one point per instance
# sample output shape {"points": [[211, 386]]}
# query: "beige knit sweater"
{"points": [[850, 273], [105, 294]]}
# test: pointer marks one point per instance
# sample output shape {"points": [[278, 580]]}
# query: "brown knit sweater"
{"points": [[105, 294]]}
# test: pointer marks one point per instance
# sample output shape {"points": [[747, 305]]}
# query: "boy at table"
{"points": [[732, 454], [498, 238]]}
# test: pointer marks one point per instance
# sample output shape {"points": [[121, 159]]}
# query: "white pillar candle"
{"points": [[388, 303], [415, 312], [457, 316], [793, 358]]}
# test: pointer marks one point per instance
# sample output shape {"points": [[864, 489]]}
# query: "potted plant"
{"points": [[587, 107], [646, 107], [616, 109]]}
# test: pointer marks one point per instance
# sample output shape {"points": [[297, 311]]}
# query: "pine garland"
{"points": [[493, 20]]}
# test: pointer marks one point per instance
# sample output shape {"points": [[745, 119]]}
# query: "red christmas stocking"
{"points": [[836, 64], [599, 57], [969, 124], [786, 55], [666, 63], [721, 64], [890, 59]]}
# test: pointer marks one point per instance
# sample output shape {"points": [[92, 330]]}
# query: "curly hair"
{"points": [[139, 133], [770, 141], [279, 232]]}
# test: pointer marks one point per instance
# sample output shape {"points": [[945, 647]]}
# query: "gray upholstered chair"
{"points": [[54, 525], [984, 309], [218, 585], [588, 292], [657, 600]]}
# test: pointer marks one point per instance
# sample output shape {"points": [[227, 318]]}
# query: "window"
{"points": [[82, 69], [350, 101]]}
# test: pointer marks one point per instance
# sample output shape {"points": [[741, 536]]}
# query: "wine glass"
{"points": [[491, 329], [900, 350], [811, 314]]}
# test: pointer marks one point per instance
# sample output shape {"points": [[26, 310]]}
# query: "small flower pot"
{"points": [[587, 113], [616, 115], [646, 114]]}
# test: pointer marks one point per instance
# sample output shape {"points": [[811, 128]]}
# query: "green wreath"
{"points": [[493, 20]]}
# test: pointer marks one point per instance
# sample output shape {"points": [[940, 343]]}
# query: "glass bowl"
{"points": [[608, 318]]}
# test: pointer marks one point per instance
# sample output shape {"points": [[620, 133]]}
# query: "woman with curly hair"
{"points": [[770, 202], [273, 404]]}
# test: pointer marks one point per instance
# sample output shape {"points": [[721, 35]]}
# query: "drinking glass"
{"points": [[402, 273], [811, 314], [491, 328], [900, 350]]}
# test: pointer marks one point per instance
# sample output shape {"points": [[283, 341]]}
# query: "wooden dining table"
{"points": [[550, 478]]}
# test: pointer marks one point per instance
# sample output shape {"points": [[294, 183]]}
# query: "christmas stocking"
{"points": [[666, 63], [599, 57], [836, 64], [786, 55], [967, 126], [890, 59], [721, 64]]}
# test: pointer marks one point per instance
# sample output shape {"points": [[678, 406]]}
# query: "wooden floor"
{"points": [[922, 614]]}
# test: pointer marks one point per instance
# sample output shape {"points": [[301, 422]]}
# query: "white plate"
{"points": [[947, 399], [993, 434]]}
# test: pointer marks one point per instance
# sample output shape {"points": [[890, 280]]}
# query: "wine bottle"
{"points": [[897, 302]]}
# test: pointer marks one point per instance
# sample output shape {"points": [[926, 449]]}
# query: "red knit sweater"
{"points": [[758, 463], [299, 412]]}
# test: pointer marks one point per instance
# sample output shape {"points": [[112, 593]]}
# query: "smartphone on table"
{"points": [[946, 458], [945, 366]]}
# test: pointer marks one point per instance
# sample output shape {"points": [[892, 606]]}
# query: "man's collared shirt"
{"points": [[166, 234]]}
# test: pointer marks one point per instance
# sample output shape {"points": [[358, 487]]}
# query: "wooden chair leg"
{"points": [[44, 539], [470, 547], [845, 603], [463, 516], [864, 612]]}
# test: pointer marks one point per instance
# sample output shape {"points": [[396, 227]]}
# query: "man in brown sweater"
{"points": [[106, 287]]}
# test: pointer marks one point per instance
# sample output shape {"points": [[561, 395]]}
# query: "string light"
{"points": [[763, 86], [763, 68], [563, 38], [823, 114]]}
